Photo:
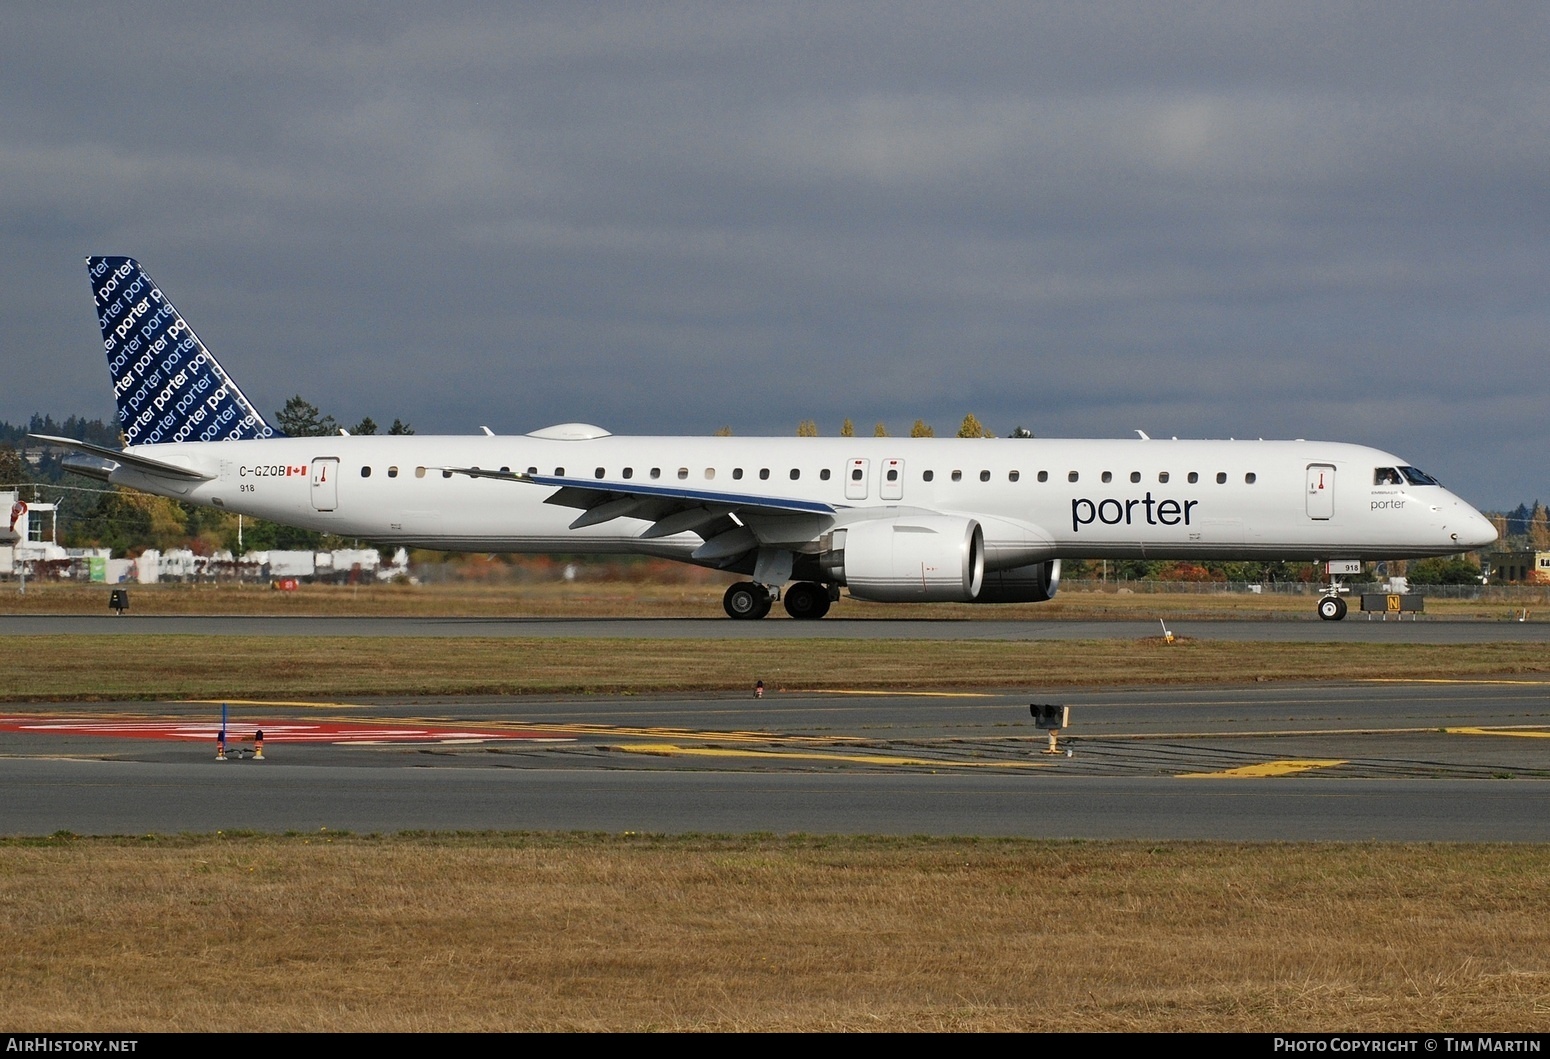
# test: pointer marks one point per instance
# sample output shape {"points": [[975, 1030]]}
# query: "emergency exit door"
{"points": [[856, 479]]}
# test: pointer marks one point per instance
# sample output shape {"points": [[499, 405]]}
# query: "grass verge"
{"points": [[175, 666]]}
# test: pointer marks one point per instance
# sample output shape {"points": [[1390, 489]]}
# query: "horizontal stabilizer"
{"points": [[129, 459]]}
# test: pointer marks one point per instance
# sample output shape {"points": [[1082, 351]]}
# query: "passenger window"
{"points": [[365, 472], [893, 474], [1135, 476], [629, 472], [957, 476], [559, 472], [824, 474], [392, 472], [532, 470], [598, 473], [710, 473], [1108, 476], [1043, 476], [1073, 476], [795, 474], [855, 474], [419, 472], [1221, 477], [683, 472], [446, 474], [1012, 476], [1194, 476], [737, 474], [1250, 478], [984, 476], [656, 472], [926, 476], [764, 474], [1162, 476]]}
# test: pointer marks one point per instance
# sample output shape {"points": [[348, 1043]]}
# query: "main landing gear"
{"points": [[805, 600], [747, 600]]}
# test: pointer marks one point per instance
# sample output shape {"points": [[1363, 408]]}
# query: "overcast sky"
{"points": [[1196, 219]]}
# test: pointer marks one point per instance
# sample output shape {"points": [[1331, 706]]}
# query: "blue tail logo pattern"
{"points": [[167, 385]]}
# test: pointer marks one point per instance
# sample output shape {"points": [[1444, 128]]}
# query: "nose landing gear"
{"points": [[1332, 608]]}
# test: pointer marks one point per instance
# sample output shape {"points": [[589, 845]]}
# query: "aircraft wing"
{"points": [[722, 519], [129, 458]]}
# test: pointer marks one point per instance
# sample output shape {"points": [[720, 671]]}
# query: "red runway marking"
{"points": [[274, 731]]}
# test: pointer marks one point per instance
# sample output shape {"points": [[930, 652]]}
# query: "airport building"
{"points": [[29, 547], [1524, 568]]}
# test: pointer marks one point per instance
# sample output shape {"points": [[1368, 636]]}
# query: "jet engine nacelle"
{"points": [[1036, 583], [927, 558]]}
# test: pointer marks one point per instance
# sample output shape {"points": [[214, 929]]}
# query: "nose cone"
{"points": [[1470, 528]]}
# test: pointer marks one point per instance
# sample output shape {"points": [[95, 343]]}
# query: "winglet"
{"points": [[167, 384]]}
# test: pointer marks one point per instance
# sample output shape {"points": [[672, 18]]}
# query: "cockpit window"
{"points": [[1416, 476], [1386, 476]]}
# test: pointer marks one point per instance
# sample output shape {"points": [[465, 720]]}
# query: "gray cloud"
{"points": [[1197, 219]]}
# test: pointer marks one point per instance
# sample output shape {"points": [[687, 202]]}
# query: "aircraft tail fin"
{"points": [[167, 384]]}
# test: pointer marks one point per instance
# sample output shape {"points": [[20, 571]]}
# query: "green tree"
{"points": [[400, 427], [847, 429], [880, 431], [1443, 572], [921, 430], [13, 469], [807, 429], [366, 426], [723, 432], [300, 418]]}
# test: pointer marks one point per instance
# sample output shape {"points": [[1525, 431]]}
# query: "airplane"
{"points": [[886, 519]]}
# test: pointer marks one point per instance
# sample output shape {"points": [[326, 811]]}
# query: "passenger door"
{"points": [[325, 484], [1321, 491]]}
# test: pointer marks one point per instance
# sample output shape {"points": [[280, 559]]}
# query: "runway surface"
{"points": [[1432, 761], [1355, 629]]}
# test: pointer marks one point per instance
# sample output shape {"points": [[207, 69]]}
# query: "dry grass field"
{"points": [[292, 668], [534, 932]]}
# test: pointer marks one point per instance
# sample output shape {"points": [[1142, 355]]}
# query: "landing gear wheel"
{"points": [[1332, 608], [807, 600], [746, 600]]}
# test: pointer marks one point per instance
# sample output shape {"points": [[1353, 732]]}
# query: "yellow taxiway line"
{"points": [[1264, 768], [672, 749], [1526, 733]]}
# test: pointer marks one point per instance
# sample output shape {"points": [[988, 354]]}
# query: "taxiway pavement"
{"points": [[1395, 761]]}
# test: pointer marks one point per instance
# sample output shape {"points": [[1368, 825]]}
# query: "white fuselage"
{"points": [[1035, 498]]}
